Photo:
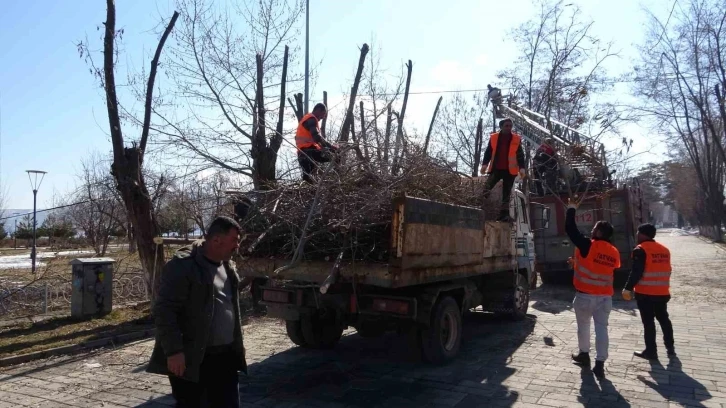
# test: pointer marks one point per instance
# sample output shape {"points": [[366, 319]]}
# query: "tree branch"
{"points": [[150, 84]]}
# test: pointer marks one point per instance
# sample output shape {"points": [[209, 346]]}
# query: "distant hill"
{"points": [[10, 220]]}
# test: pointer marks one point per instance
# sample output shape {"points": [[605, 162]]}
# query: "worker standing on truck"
{"points": [[311, 147], [546, 167], [650, 279], [503, 160], [594, 266], [199, 342]]}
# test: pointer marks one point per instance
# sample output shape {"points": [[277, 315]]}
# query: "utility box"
{"points": [[92, 287]]}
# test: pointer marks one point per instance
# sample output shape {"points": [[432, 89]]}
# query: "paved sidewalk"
{"points": [[502, 363]]}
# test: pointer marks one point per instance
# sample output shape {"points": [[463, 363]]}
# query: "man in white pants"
{"points": [[594, 264]]}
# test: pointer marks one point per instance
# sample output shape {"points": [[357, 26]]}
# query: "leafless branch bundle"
{"points": [[354, 210]]}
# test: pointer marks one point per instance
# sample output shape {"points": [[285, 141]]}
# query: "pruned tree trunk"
{"points": [[387, 137], [277, 138], [363, 133], [264, 156], [325, 119], [400, 117], [345, 130], [298, 114], [300, 105], [431, 126], [356, 141], [478, 142], [128, 161]]}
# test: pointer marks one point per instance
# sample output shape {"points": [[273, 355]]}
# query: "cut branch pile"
{"points": [[353, 212]]}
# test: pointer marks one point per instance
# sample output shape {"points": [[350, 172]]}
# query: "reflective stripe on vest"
{"points": [[656, 278], [594, 273], [303, 137], [511, 157]]}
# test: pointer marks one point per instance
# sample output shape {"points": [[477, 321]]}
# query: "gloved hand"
{"points": [[627, 294], [483, 169], [571, 262], [522, 174], [572, 204]]}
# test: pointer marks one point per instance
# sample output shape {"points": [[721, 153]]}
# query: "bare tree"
{"points": [[561, 64], [128, 161], [202, 199], [461, 131], [96, 207], [231, 75], [680, 76]]}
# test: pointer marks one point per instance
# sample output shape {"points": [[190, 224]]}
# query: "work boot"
{"points": [[671, 352], [599, 369], [646, 355], [582, 359]]}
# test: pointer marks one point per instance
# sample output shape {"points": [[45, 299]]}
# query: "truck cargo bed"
{"points": [[430, 242]]}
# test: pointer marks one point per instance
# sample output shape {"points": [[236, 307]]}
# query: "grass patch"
{"points": [[26, 337]]}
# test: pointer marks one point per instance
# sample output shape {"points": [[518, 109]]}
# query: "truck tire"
{"points": [[294, 332], [320, 330], [516, 302], [441, 341]]}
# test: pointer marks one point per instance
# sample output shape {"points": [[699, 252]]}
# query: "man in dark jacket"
{"points": [[503, 160], [650, 280], [199, 342]]}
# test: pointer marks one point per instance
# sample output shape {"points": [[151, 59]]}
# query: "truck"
{"points": [[443, 260], [622, 206], [603, 198]]}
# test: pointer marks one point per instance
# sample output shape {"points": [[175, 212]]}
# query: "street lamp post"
{"points": [[307, 55], [33, 176]]}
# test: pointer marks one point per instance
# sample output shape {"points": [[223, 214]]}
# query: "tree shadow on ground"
{"points": [[675, 385], [557, 298], [385, 371]]}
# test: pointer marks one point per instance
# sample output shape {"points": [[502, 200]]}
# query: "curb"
{"points": [[75, 348]]}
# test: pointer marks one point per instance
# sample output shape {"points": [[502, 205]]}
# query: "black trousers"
{"points": [[655, 308], [308, 161], [218, 385], [507, 183]]}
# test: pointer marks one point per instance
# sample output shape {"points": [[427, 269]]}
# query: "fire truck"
{"points": [[582, 175]]}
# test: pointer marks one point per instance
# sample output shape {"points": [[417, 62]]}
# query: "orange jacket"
{"points": [[657, 273], [594, 273], [511, 156], [303, 137]]}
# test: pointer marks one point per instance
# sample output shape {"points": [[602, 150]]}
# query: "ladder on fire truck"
{"points": [[589, 161]]}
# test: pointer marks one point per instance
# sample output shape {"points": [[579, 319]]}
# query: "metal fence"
{"points": [[55, 295]]}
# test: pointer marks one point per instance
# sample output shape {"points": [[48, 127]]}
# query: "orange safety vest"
{"points": [[656, 278], [303, 137], [594, 273], [512, 156]]}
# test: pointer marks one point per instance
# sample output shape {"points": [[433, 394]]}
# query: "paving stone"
{"points": [[502, 364]]}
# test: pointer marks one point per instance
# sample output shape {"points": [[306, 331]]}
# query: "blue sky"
{"points": [[53, 113]]}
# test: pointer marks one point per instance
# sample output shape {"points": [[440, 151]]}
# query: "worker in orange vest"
{"points": [[503, 160], [650, 279], [311, 147], [594, 265]]}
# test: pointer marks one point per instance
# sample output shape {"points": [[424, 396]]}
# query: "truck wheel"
{"points": [[517, 302], [294, 332], [320, 330], [442, 340]]}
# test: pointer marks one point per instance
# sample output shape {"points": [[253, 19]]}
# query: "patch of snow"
{"points": [[23, 261]]}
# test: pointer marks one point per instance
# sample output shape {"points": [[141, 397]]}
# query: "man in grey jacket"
{"points": [[199, 342]]}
